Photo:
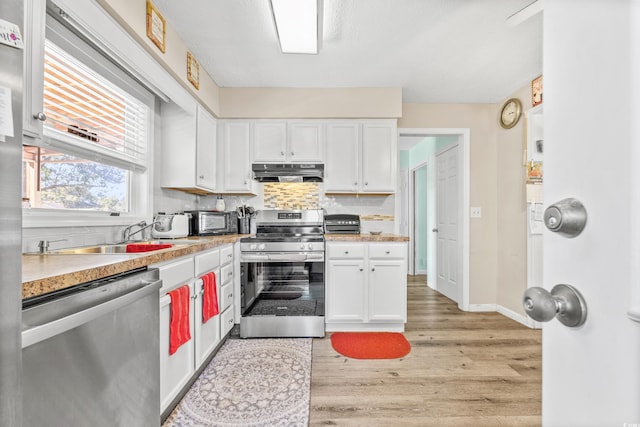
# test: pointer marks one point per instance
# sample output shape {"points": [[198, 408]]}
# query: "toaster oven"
{"points": [[210, 223]]}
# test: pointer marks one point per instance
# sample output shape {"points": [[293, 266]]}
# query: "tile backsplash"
{"points": [[291, 195]]}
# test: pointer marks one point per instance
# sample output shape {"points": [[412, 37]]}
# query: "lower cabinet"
{"points": [[366, 286], [178, 369]]}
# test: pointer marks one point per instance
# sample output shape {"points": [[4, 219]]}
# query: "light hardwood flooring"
{"points": [[464, 369]]}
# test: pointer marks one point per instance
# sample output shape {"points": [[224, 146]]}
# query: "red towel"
{"points": [[179, 327], [146, 247], [209, 298]]}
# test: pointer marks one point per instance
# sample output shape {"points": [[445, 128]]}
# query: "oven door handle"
{"points": [[251, 258], [287, 257]]}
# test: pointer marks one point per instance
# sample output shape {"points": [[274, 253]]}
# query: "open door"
{"points": [[591, 373]]}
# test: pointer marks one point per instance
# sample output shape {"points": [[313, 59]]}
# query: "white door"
{"points": [[591, 374], [447, 222]]}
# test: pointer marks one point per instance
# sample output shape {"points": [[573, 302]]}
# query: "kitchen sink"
{"points": [[124, 248]]}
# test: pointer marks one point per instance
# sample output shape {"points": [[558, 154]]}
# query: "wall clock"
{"points": [[510, 113]]}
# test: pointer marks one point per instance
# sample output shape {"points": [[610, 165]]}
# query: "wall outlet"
{"points": [[476, 212]]}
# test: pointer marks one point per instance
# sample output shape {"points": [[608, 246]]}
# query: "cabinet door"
{"points": [[269, 142], [342, 158], [345, 291], [175, 369], [387, 291], [379, 158], [305, 142], [237, 156], [34, 29], [207, 335], [205, 150]]}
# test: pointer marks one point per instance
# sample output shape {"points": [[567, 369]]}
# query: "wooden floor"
{"points": [[464, 369]]}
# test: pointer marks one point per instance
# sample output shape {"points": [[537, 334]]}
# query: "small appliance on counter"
{"points": [[211, 223], [342, 224], [170, 226]]}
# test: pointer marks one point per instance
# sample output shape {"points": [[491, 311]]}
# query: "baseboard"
{"points": [[431, 285], [523, 320], [520, 318]]}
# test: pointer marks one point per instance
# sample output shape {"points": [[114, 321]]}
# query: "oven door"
{"points": [[282, 284]]}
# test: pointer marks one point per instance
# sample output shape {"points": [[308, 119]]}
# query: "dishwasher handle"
{"points": [[37, 333]]}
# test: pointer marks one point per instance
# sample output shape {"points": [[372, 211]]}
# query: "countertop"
{"points": [[365, 237], [51, 272]]}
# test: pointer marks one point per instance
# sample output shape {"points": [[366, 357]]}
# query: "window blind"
{"points": [[94, 109]]}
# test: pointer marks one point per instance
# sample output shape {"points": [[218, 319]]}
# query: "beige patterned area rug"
{"points": [[251, 383]]}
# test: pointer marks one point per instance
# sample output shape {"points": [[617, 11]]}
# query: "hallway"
{"points": [[464, 369]]}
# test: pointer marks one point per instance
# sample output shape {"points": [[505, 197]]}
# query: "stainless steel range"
{"points": [[282, 275]]}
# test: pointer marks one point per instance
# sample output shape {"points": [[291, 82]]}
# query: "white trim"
{"points": [[431, 284], [522, 319], [364, 327], [464, 159], [481, 308]]}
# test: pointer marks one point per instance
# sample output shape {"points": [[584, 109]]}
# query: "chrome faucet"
{"points": [[126, 234]]}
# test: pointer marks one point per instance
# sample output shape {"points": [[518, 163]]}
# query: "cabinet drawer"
{"points": [[226, 274], [226, 297], [226, 254], [226, 321], [176, 274], [206, 261], [387, 251], [345, 250]]}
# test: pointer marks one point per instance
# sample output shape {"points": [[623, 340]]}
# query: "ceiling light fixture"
{"points": [[298, 25]]}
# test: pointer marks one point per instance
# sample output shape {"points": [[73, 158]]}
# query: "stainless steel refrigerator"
{"points": [[11, 77]]}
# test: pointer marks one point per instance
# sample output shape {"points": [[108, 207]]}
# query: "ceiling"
{"points": [[438, 51]]}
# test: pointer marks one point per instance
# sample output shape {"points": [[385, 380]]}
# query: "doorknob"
{"points": [[566, 217], [563, 302]]}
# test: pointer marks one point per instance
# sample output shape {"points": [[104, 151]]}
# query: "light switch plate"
{"points": [[476, 212]]}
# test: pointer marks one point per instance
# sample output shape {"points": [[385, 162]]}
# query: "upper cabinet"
{"points": [[361, 157], [287, 142], [234, 153], [34, 31], [188, 150]]}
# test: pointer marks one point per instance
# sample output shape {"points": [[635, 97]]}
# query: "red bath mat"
{"points": [[370, 345]]}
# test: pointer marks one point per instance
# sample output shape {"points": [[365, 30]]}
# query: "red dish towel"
{"points": [[146, 247], [209, 298], [179, 328]]}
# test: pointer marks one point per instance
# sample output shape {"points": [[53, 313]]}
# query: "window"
{"points": [[94, 150]]}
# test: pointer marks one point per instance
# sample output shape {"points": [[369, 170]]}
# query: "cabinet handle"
{"points": [[229, 256], [292, 154], [282, 153], [230, 296], [40, 116], [230, 274], [387, 252], [201, 176], [362, 269], [366, 183], [355, 183], [346, 252], [373, 269]]}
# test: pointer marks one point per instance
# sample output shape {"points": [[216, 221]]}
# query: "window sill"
{"points": [[39, 218]]}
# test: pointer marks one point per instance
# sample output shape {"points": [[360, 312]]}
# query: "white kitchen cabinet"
{"points": [[269, 141], [361, 157], [188, 149], [234, 158], [305, 142], [176, 369], [227, 292], [366, 286], [207, 335], [287, 142], [34, 32]]}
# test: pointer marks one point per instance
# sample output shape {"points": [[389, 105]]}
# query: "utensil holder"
{"points": [[243, 225]]}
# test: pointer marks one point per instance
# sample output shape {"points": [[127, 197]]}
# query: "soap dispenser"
{"points": [[220, 206]]}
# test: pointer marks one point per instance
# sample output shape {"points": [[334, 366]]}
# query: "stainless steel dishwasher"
{"points": [[90, 355]]}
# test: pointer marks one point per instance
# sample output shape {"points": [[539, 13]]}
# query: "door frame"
{"points": [[464, 166], [412, 216]]}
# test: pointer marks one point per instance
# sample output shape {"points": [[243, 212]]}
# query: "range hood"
{"points": [[288, 172]]}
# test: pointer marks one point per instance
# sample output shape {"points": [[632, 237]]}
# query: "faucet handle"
{"points": [[43, 245]]}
